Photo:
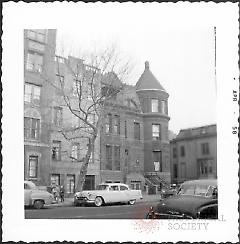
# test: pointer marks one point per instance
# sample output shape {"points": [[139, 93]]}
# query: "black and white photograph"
{"points": [[120, 122]]}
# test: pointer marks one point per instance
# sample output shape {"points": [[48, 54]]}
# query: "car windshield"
{"points": [[102, 187], [199, 190]]}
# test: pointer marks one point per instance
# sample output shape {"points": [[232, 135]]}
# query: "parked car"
{"points": [[168, 192], [195, 199], [108, 193], [36, 197]]}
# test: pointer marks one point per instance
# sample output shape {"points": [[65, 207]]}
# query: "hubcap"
{"points": [[98, 201]]}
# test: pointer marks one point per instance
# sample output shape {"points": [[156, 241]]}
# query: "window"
{"points": [[55, 179], [123, 188], [136, 131], [108, 157], [34, 62], [31, 128], [164, 107], [56, 151], [70, 184], [117, 157], [77, 88], [75, 151], [156, 132], [116, 125], [174, 152], [59, 59], [59, 81], [27, 187], [90, 91], [205, 148], [175, 171], [75, 121], [136, 185], [113, 188], [182, 150], [35, 45], [91, 157], [32, 93], [205, 166], [155, 108], [157, 160], [126, 159], [125, 128], [108, 123], [57, 120], [33, 166], [183, 170], [37, 34], [92, 118]]}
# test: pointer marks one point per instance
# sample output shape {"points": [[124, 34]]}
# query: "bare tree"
{"points": [[93, 85]]}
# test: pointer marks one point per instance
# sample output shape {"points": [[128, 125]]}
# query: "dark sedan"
{"points": [[195, 200]]}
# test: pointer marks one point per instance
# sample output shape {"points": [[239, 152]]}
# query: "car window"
{"points": [[187, 190], [101, 187], [211, 191], [26, 186], [113, 188], [123, 188], [201, 190]]}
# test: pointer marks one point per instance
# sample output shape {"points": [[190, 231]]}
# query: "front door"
{"points": [[89, 183]]}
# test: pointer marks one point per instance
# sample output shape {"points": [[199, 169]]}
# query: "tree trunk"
{"points": [[84, 167]]}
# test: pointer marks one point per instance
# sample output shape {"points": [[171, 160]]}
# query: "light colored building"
{"points": [[194, 154]]}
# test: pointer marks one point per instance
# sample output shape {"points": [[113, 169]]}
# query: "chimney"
{"points": [[146, 65]]}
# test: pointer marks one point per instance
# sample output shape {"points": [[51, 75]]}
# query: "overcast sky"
{"points": [[180, 52]]}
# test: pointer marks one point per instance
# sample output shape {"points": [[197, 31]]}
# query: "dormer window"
{"points": [[155, 108]]}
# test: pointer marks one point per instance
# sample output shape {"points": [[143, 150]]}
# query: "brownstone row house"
{"points": [[133, 144], [194, 154]]}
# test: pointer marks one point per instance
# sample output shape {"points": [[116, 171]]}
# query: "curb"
{"points": [[68, 204]]}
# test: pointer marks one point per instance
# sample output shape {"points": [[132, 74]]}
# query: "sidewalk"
{"points": [[146, 198], [151, 198]]}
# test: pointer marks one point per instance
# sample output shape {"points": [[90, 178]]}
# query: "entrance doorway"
{"points": [[89, 182]]}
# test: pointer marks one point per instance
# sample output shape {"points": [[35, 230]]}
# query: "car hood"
{"points": [[181, 204]]}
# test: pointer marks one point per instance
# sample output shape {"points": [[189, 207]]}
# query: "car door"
{"points": [[114, 194], [125, 194]]}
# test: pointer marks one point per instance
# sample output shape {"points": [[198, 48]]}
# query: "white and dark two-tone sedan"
{"points": [[108, 193]]}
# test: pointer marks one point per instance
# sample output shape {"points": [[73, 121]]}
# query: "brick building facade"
{"points": [[194, 154], [133, 144], [141, 113]]}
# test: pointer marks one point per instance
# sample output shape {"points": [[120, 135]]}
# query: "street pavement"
{"points": [[146, 198], [116, 211]]}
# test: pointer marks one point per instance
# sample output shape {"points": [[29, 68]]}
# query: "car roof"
{"points": [[114, 184], [212, 182]]}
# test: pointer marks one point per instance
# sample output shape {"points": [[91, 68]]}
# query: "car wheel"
{"points": [[38, 204], [132, 202], [98, 202]]}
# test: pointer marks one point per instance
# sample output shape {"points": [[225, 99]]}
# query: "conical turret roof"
{"points": [[148, 81]]}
